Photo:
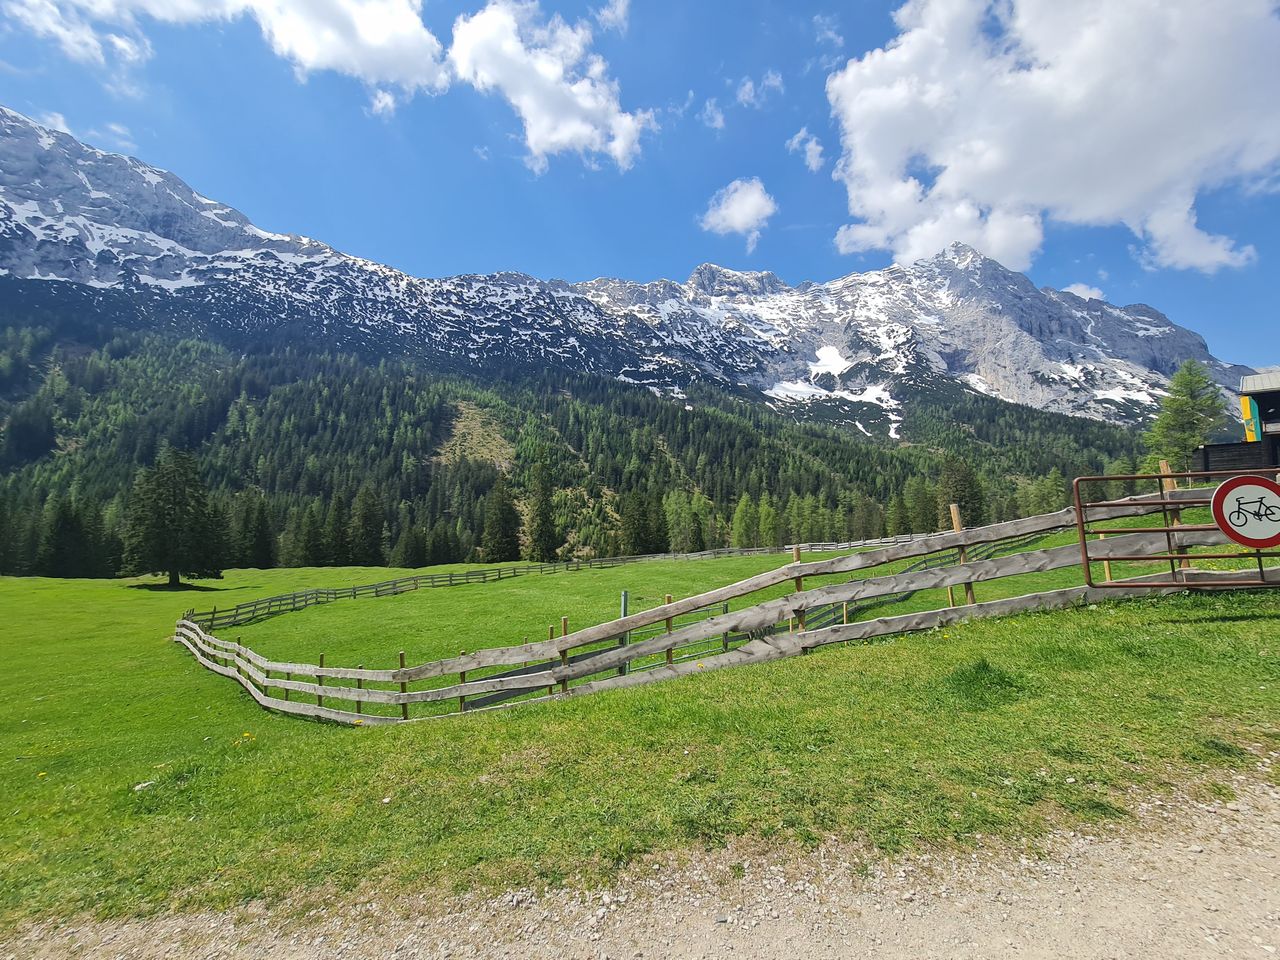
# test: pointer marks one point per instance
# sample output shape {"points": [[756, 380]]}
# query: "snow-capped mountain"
{"points": [[114, 230]]}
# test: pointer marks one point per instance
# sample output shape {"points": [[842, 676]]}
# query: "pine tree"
{"points": [[501, 538], [896, 521], [746, 523], [659, 535], [960, 485], [171, 526], [366, 529], [768, 522], [61, 549], [635, 525], [1189, 415], [410, 550], [544, 541]]}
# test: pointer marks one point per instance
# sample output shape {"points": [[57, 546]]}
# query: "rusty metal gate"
{"points": [[1172, 496]]}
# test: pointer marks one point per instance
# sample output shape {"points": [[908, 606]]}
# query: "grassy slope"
{"points": [[937, 736]]}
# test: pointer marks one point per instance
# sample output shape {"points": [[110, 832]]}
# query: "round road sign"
{"points": [[1247, 509]]}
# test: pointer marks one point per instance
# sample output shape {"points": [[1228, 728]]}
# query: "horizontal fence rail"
{"points": [[253, 610], [702, 633]]}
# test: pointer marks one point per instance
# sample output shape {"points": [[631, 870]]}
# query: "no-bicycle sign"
{"points": [[1247, 509]]}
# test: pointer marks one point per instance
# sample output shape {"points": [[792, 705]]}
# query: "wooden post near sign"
{"points": [[1167, 486], [963, 554]]}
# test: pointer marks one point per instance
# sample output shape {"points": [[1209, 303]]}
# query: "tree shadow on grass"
{"points": [[180, 588]]}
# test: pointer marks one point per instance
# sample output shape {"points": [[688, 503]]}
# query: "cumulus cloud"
{"points": [[984, 118], [753, 94], [804, 142], [613, 15], [743, 207], [560, 90], [377, 41], [544, 69], [1084, 291], [712, 115]]}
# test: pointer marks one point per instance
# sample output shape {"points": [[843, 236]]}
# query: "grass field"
{"points": [[998, 727]]}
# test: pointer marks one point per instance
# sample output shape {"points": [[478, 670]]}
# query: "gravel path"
{"points": [[1187, 880]]}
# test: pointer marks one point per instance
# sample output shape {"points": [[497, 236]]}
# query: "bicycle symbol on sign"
{"points": [[1258, 509]]}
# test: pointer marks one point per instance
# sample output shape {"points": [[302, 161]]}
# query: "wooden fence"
{"points": [[610, 655], [253, 610]]}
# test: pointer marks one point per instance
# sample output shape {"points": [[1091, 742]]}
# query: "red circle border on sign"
{"points": [[1220, 517]]}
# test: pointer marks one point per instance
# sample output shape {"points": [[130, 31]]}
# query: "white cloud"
{"points": [[377, 41], [54, 121], [825, 27], [114, 135], [613, 15], [1084, 291], [383, 103], [752, 94], [805, 142], [545, 71], [744, 207], [712, 115], [982, 119]]}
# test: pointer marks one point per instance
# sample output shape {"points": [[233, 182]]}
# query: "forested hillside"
{"points": [[321, 458]]}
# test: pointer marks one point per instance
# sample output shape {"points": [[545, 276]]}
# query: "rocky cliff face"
{"points": [[74, 214]]}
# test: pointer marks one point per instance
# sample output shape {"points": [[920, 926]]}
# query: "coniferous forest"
{"points": [[307, 457]]}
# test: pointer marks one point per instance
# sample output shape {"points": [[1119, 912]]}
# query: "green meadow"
{"points": [[136, 781]]}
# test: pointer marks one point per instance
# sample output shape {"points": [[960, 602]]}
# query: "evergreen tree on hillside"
{"points": [[767, 519], [896, 520], [635, 525], [501, 538], [1189, 415], [61, 551], [659, 533], [544, 541], [410, 550], [171, 527], [746, 523], [960, 485], [366, 529]]}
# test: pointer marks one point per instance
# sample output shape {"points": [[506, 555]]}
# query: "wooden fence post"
{"points": [[670, 651], [1167, 486], [360, 686], [564, 662], [957, 526], [287, 676], [320, 683], [462, 678], [1106, 564], [404, 688]]}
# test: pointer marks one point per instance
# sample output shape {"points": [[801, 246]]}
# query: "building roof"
{"points": [[1261, 382]]}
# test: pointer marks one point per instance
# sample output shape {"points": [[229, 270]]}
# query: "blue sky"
{"points": [[1136, 153]]}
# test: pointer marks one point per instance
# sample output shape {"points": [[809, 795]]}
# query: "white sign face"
{"points": [[1247, 509]]}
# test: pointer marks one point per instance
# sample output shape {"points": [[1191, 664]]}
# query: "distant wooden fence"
{"points": [[616, 654], [254, 610]]}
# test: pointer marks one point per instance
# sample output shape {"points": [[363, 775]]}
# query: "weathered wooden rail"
{"points": [[606, 656], [253, 610]]}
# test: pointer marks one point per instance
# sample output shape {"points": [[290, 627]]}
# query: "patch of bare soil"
{"points": [[1186, 879]]}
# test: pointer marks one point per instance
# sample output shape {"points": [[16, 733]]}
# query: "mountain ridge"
{"points": [[853, 347]]}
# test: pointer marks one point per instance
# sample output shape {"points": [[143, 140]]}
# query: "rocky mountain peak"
{"points": [[716, 281]]}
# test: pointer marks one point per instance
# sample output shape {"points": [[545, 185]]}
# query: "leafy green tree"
{"points": [[1189, 415], [171, 528], [501, 538]]}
